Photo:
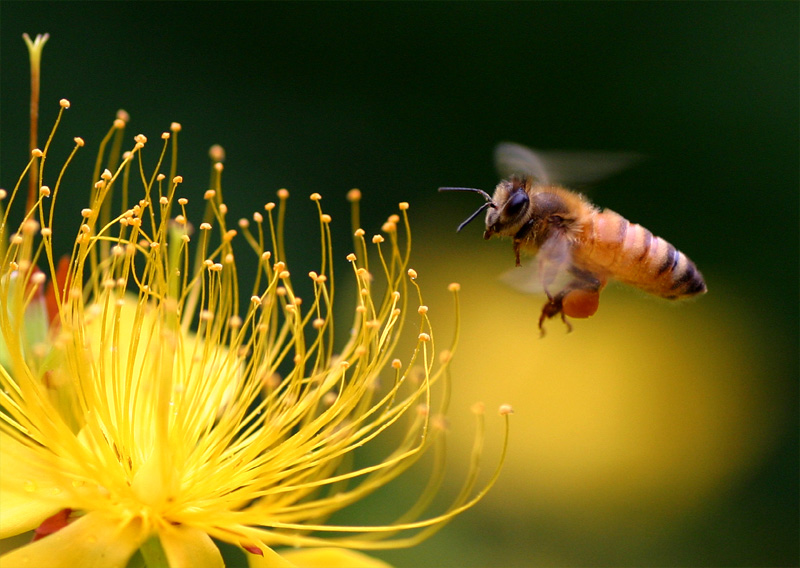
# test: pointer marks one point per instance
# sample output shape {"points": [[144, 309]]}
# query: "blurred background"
{"points": [[654, 434]]}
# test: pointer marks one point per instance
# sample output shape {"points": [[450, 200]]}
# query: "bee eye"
{"points": [[516, 204]]}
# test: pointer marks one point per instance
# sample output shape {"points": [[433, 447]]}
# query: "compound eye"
{"points": [[516, 204]]}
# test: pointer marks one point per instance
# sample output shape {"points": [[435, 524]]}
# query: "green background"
{"points": [[400, 98]]}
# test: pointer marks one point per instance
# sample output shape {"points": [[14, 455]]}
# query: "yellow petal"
{"points": [[26, 498], [331, 558], [92, 541], [188, 547]]}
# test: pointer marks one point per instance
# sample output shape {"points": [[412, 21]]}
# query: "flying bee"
{"points": [[578, 247]]}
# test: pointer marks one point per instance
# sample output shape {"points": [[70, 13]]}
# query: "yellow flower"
{"points": [[150, 416]]}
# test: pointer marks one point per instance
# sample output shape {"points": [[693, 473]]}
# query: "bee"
{"points": [[578, 248]]}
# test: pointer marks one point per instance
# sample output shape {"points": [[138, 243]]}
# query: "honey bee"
{"points": [[578, 247]]}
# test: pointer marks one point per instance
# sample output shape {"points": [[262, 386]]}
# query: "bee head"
{"points": [[512, 200]]}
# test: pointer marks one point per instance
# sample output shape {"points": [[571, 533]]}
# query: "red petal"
{"points": [[52, 524]]}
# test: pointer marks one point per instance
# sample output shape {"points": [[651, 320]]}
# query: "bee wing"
{"points": [[516, 160], [568, 168], [547, 272]]}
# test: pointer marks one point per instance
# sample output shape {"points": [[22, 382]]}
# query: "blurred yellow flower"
{"points": [[141, 412]]}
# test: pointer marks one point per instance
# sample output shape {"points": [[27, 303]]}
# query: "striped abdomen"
{"points": [[631, 254]]}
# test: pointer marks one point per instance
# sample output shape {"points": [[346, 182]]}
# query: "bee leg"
{"points": [[552, 308], [566, 321], [517, 244]]}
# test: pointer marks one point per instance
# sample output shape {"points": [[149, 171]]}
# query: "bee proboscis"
{"points": [[578, 247]]}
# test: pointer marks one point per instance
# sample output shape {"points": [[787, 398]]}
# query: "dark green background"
{"points": [[400, 98]]}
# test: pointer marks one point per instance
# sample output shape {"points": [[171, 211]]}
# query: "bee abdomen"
{"points": [[633, 255]]}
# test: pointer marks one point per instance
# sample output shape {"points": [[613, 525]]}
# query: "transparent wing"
{"points": [[568, 168], [516, 160], [548, 272]]}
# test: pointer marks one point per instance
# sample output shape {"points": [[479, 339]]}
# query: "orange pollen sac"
{"points": [[580, 303]]}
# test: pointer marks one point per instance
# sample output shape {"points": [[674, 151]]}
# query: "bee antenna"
{"points": [[486, 196], [471, 217]]}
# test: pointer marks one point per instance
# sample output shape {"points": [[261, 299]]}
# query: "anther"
{"points": [[506, 409], [216, 153], [30, 227]]}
